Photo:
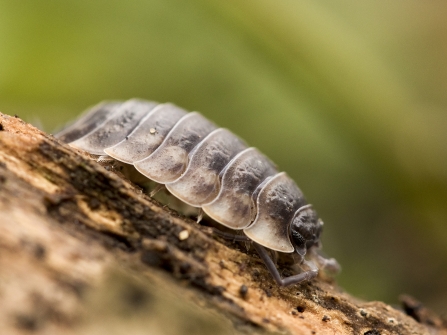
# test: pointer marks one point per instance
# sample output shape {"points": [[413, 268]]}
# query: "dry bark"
{"points": [[83, 250]]}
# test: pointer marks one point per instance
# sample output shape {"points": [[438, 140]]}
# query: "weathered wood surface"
{"points": [[82, 250]]}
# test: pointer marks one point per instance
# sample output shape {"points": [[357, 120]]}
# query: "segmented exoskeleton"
{"points": [[210, 168]]}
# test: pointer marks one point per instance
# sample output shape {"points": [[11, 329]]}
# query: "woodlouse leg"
{"points": [[200, 215], [228, 236], [104, 159], [157, 189], [295, 279]]}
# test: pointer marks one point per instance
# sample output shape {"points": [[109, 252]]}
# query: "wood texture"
{"points": [[82, 250]]}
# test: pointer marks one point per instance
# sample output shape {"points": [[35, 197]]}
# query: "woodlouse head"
{"points": [[305, 229]]}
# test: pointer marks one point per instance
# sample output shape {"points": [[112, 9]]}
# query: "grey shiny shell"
{"points": [[199, 163]]}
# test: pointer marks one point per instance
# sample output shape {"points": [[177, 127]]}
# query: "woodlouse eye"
{"points": [[298, 239]]}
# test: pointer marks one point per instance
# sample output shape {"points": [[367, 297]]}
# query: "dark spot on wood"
{"points": [[201, 283], [94, 204], [255, 273], [156, 259], [1, 127], [39, 251], [301, 309], [36, 249], [50, 151], [326, 318], [135, 297], [184, 267], [372, 332], [243, 291], [27, 322], [76, 286], [419, 312], [53, 201]]}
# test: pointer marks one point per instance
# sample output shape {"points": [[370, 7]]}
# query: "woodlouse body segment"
{"points": [[200, 183], [88, 122], [277, 201], [148, 136], [234, 206], [170, 159], [211, 168], [119, 123]]}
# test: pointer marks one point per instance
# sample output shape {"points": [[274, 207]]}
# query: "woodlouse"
{"points": [[210, 168]]}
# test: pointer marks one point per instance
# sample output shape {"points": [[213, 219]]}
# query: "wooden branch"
{"points": [[82, 250]]}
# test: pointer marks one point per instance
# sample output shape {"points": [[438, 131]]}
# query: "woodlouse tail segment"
{"points": [[89, 121], [121, 120]]}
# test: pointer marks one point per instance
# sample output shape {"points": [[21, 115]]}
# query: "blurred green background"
{"points": [[349, 97]]}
